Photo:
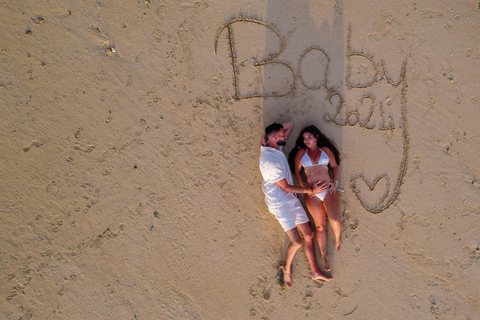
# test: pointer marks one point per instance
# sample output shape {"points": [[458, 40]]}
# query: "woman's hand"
{"points": [[333, 187]]}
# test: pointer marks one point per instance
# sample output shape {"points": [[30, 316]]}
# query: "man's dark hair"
{"points": [[274, 127]]}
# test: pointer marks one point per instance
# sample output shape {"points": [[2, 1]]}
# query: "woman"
{"points": [[314, 154]]}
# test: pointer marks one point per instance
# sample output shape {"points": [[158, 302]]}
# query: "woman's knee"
{"points": [[321, 227]]}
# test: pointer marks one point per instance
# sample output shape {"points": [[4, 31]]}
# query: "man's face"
{"points": [[282, 137]]}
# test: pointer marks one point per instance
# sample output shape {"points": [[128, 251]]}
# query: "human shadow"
{"points": [[304, 81]]}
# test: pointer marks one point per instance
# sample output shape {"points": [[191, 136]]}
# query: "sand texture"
{"points": [[129, 153]]}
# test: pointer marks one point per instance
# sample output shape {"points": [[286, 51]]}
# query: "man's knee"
{"points": [[308, 236], [296, 243], [321, 227]]}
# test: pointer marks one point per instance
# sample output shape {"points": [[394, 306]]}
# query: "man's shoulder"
{"points": [[272, 159], [269, 153], [270, 150]]}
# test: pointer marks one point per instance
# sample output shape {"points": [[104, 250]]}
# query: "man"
{"points": [[279, 196]]}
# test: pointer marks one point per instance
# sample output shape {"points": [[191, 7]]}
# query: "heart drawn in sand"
{"points": [[371, 188]]}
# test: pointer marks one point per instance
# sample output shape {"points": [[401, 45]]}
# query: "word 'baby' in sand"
{"points": [[370, 75], [362, 116]]}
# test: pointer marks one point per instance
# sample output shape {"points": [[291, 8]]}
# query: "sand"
{"points": [[129, 155]]}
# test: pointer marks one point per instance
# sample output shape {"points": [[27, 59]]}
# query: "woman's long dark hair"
{"points": [[322, 141]]}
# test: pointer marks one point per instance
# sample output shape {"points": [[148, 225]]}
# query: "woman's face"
{"points": [[309, 139]]}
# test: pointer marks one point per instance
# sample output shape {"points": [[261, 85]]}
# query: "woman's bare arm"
{"points": [[298, 166], [334, 166]]}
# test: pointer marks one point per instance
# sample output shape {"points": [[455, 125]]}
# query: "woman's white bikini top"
{"points": [[323, 161]]}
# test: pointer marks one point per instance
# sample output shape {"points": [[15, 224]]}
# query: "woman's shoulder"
{"points": [[300, 153], [330, 155], [326, 150]]}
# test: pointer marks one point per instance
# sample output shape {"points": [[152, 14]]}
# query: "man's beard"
{"points": [[281, 142]]}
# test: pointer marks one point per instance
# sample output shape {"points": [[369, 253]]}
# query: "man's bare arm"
{"points": [[288, 127], [317, 188]]}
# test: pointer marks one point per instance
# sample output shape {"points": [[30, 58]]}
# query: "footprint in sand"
{"points": [[34, 143], [87, 149], [260, 293], [339, 293], [105, 235], [78, 132]]}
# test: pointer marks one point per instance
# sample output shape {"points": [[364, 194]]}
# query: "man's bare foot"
{"points": [[326, 265], [338, 245], [287, 277], [320, 276]]}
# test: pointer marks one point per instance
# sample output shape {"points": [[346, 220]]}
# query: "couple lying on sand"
{"points": [[314, 154]]}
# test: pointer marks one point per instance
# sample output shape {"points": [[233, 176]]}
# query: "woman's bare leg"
{"points": [[316, 209], [309, 249], [332, 206]]}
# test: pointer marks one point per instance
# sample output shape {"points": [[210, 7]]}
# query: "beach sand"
{"points": [[129, 151]]}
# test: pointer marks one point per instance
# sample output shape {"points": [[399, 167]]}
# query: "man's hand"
{"points": [[264, 141], [287, 126], [320, 187]]}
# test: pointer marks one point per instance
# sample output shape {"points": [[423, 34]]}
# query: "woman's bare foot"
{"points": [[338, 245], [287, 277], [320, 276], [326, 265]]}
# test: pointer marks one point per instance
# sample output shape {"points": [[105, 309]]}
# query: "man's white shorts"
{"points": [[290, 214]]}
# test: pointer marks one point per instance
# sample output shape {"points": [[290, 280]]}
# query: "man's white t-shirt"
{"points": [[274, 167]]}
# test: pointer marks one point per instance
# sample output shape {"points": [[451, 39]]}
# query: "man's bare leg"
{"points": [[309, 249], [295, 244]]}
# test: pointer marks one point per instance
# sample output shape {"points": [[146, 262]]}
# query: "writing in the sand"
{"points": [[346, 117], [343, 115]]}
